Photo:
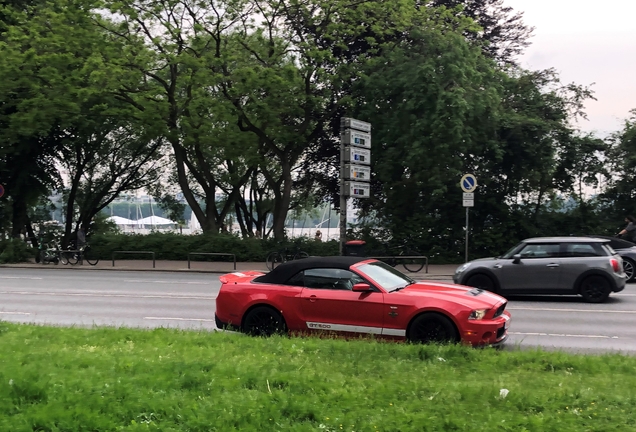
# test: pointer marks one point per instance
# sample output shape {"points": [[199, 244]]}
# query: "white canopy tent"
{"points": [[154, 220], [121, 221]]}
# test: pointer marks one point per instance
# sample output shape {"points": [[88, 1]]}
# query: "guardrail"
{"points": [[405, 257], [212, 253], [134, 252]]}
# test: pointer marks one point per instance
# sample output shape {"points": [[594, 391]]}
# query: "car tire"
{"points": [[595, 289], [481, 281], [263, 321], [432, 328], [628, 268]]}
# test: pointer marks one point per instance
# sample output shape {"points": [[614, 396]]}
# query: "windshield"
{"points": [[386, 276], [511, 252]]}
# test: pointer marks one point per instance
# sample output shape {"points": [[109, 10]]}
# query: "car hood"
{"points": [[467, 296]]}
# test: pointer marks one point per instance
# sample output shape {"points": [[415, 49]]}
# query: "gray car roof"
{"points": [[565, 240]]}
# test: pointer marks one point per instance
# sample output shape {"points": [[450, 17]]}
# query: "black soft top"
{"points": [[283, 272]]}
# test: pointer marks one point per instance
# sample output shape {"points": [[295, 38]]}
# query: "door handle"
{"points": [[552, 265], [498, 266], [313, 298]]}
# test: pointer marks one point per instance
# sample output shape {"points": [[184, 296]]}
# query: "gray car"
{"points": [[550, 265], [627, 251]]}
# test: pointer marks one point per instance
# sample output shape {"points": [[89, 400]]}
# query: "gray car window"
{"points": [[540, 250], [330, 278], [584, 250]]}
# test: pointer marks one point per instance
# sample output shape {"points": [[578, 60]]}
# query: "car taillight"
{"points": [[615, 266]]}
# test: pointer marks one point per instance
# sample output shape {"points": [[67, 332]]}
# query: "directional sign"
{"points": [[357, 155], [358, 190], [1, 191], [468, 183], [348, 122], [356, 138], [357, 172]]}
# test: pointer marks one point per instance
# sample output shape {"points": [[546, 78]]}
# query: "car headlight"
{"points": [[463, 268], [477, 314]]}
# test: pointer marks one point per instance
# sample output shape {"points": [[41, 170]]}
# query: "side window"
{"points": [[330, 278], [584, 250], [296, 280], [540, 250]]}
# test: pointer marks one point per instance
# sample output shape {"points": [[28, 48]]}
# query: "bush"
{"points": [[15, 251], [173, 246]]}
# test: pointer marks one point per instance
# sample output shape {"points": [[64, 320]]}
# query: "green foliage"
{"points": [[15, 251], [170, 246], [72, 379]]}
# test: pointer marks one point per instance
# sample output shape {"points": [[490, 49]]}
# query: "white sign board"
{"points": [[347, 122], [355, 138], [357, 172], [468, 195], [357, 155], [357, 189], [469, 203]]}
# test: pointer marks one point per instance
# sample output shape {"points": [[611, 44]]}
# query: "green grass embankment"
{"points": [[72, 379]]}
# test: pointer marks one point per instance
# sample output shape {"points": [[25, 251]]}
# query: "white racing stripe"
{"points": [[564, 335], [355, 329], [179, 319], [63, 294], [571, 310]]}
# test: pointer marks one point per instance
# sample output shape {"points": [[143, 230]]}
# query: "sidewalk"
{"points": [[435, 272]]}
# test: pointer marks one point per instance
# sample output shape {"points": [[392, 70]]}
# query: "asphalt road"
{"points": [[186, 300]]}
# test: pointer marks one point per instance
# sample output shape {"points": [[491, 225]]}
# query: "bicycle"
{"points": [[413, 261], [82, 254], [283, 255]]}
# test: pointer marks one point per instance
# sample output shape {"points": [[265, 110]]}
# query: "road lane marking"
{"points": [[572, 310], [168, 282], [179, 319], [20, 277], [564, 335], [62, 294], [14, 313]]}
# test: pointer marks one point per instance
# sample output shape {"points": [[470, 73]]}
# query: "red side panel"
{"points": [[238, 277]]}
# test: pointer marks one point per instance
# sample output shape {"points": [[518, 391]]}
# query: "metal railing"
{"points": [[134, 252], [213, 254], [404, 257]]}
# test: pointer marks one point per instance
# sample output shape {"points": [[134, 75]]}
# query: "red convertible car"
{"points": [[354, 296]]}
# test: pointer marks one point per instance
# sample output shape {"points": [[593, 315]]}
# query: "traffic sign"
{"points": [[348, 122], [357, 172], [356, 138], [468, 203], [357, 155], [358, 189], [468, 183], [468, 196], [1, 191]]}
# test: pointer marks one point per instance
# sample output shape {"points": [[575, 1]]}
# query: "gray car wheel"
{"points": [[628, 268], [481, 281], [595, 289]]}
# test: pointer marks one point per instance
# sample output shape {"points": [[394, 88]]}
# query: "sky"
{"points": [[587, 43]]}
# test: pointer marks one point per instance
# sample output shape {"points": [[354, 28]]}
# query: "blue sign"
{"points": [[1, 191], [468, 183]]}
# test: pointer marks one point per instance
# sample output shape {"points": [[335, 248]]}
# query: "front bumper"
{"points": [[492, 332]]}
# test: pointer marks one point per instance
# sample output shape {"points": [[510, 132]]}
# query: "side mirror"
{"points": [[361, 287], [516, 259]]}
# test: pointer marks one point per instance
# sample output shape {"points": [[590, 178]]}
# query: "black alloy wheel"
{"points": [[264, 321], [595, 289], [628, 268], [432, 328], [481, 281]]}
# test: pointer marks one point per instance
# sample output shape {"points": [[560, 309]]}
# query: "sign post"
{"points": [[468, 184], [355, 170]]}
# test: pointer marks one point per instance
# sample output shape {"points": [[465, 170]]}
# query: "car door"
{"points": [[329, 304], [538, 269]]}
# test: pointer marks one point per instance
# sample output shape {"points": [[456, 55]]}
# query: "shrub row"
{"points": [[172, 246]]}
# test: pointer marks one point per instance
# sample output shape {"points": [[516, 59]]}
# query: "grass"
{"points": [[104, 379]]}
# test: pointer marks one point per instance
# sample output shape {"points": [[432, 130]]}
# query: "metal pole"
{"points": [[343, 201], [466, 253]]}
